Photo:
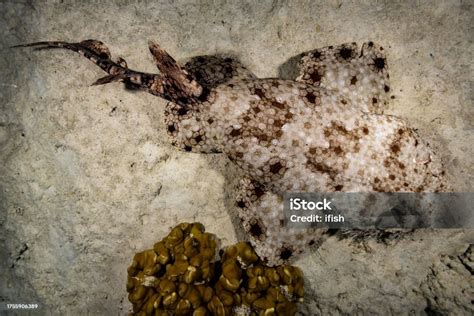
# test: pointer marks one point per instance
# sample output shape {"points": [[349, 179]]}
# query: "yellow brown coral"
{"points": [[182, 275]]}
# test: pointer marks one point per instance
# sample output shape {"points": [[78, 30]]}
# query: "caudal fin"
{"points": [[173, 83]]}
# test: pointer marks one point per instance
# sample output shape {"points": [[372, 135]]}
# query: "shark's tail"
{"points": [[173, 83]]}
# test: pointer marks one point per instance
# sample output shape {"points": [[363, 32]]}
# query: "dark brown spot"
{"points": [[365, 130], [311, 97], [262, 137], [256, 230], [316, 54], [345, 53], [210, 121], [353, 80], [239, 154], [379, 63], [171, 128], [236, 132], [241, 204], [315, 76], [374, 100], [312, 150], [386, 88], [400, 131], [260, 93], [338, 150], [278, 105], [371, 44], [187, 148], [395, 148], [288, 115], [286, 253], [258, 191], [198, 75], [311, 242], [376, 180], [343, 101], [276, 167], [198, 138], [278, 123], [391, 177], [340, 128], [377, 188], [322, 167], [338, 187], [182, 111]]}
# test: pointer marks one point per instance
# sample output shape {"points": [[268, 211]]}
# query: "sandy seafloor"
{"points": [[88, 177]]}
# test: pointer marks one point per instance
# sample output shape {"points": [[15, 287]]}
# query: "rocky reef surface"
{"points": [[88, 177]]}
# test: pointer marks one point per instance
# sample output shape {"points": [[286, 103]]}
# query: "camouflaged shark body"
{"points": [[324, 131]]}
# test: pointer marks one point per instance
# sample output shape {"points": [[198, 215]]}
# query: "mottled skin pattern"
{"points": [[323, 132]]}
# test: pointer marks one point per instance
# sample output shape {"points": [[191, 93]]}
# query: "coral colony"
{"points": [[184, 274]]}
